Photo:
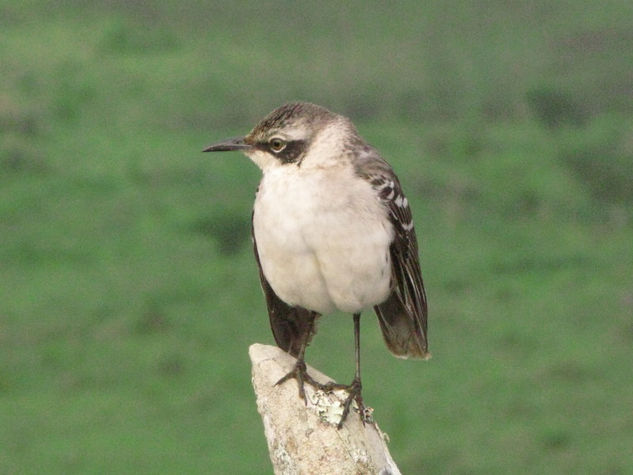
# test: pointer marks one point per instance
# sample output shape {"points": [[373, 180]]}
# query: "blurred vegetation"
{"points": [[128, 292]]}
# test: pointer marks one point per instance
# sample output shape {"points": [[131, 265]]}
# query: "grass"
{"points": [[128, 290]]}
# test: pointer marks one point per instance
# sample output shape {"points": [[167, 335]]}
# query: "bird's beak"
{"points": [[236, 143]]}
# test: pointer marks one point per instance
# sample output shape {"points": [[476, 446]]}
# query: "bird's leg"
{"points": [[355, 387], [299, 372]]}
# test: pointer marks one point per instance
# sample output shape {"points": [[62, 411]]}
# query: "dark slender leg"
{"points": [[299, 372], [357, 344], [355, 387]]}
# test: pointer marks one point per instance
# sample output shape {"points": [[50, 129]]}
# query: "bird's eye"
{"points": [[277, 144]]}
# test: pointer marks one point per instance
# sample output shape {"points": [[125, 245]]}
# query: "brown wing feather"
{"points": [[403, 316], [290, 325]]}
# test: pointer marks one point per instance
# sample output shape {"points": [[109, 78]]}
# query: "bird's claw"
{"points": [[354, 390], [300, 373], [354, 394]]}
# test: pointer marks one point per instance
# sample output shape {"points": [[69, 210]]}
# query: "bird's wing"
{"points": [[403, 316], [290, 325]]}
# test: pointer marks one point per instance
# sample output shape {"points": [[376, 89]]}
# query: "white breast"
{"points": [[323, 238]]}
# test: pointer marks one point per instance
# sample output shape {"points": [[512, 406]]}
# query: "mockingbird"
{"points": [[332, 230]]}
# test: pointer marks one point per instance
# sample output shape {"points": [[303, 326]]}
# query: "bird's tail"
{"points": [[403, 331]]}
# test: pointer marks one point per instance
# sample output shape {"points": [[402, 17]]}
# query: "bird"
{"points": [[332, 231]]}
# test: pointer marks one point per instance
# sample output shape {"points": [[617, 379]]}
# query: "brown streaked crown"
{"points": [[291, 114]]}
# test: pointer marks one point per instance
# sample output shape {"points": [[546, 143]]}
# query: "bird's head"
{"points": [[288, 134]]}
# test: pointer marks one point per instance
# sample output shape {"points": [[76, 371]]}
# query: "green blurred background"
{"points": [[128, 290]]}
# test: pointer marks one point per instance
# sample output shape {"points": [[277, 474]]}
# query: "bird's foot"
{"points": [[300, 373], [354, 390]]}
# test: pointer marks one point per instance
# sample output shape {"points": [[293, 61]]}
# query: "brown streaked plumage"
{"points": [[332, 230]]}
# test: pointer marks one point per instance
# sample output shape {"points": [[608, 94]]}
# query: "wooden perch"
{"points": [[303, 438]]}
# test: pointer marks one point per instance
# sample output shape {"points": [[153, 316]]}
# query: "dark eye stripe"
{"points": [[291, 153]]}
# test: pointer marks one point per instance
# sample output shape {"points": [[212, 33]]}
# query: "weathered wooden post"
{"points": [[303, 438]]}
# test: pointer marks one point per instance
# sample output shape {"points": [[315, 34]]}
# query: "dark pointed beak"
{"points": [[236, 143]]}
